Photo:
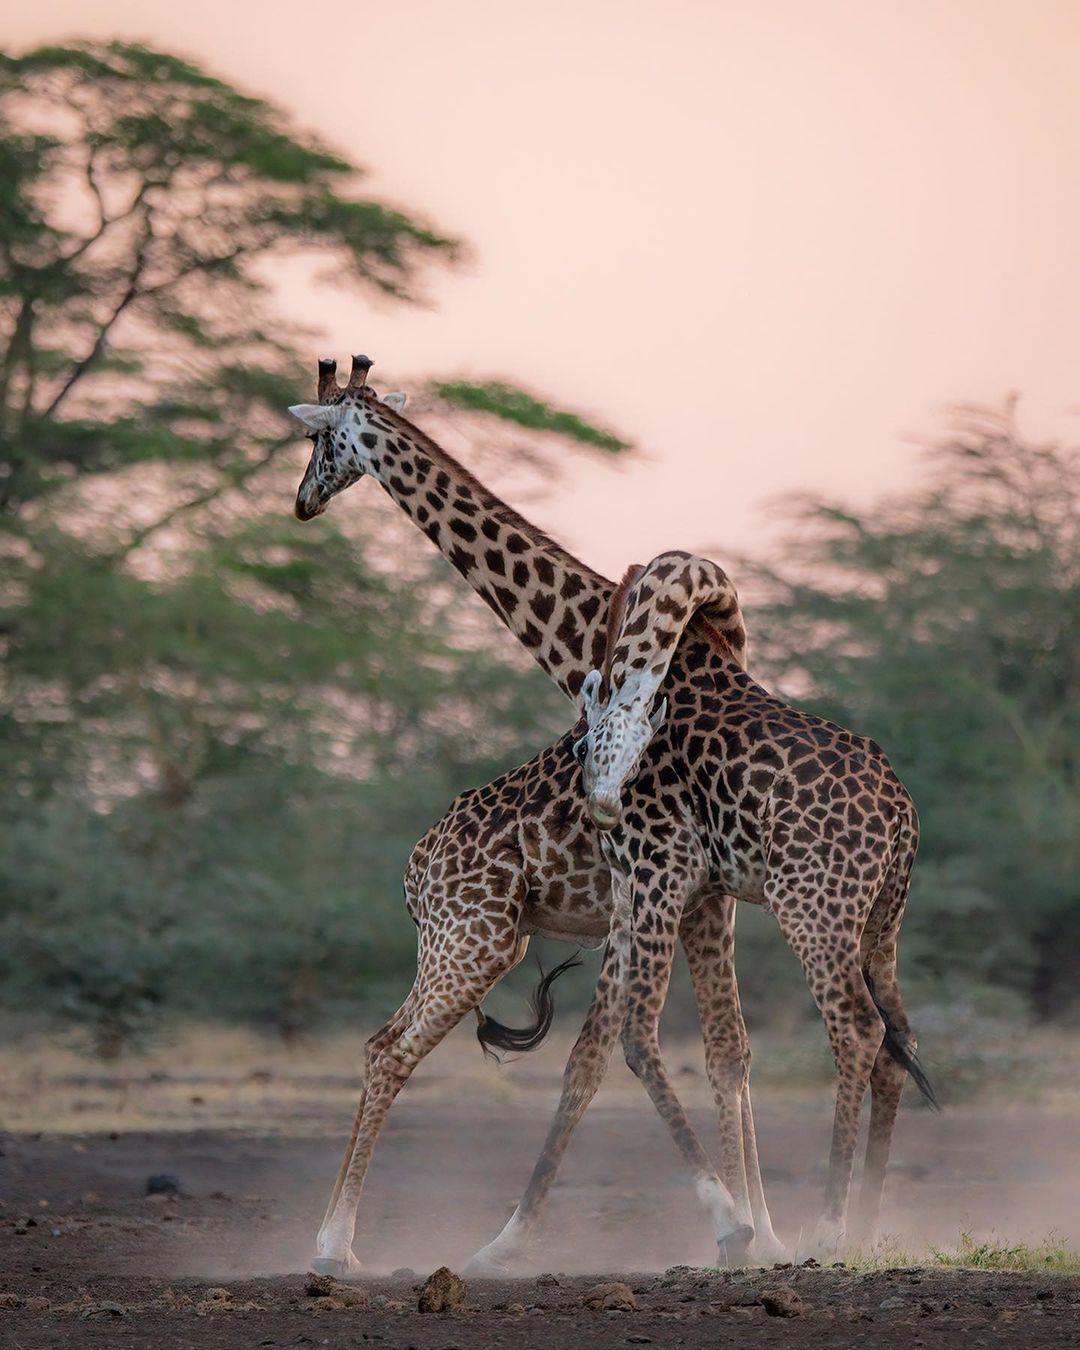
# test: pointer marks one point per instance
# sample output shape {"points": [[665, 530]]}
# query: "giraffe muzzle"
{"points": [[308, 504], [605, 814]]}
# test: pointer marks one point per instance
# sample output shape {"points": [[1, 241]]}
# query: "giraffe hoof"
{"points": [[348, 1269], [768, 1251], [828, 1240], [734, 1250], [485, 1265]]}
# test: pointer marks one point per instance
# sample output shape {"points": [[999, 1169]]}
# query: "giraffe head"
{"points": [[345, 428], [619, 730]]}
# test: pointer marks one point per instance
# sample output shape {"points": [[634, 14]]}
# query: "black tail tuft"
{"points": [[899, 1051], [494, 1036]]}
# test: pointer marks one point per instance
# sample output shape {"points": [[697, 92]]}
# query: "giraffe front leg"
{"points": [[708, 938], [656, 918], [582, 1076]]}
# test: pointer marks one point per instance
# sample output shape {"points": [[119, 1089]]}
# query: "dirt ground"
{"points": [[87, 1257]]}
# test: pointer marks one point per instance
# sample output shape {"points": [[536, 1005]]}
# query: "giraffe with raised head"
{"points": [[778, 807], [520, 856]]}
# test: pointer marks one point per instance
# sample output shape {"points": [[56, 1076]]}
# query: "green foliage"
{"points": [[947, 625], [514, 405], [84, 922]]}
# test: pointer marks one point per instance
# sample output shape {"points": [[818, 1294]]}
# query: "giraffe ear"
{"points": [[590, 694], [395, 401], [317, 416]]}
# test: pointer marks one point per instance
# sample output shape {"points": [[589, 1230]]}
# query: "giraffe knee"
{"points": [[637, 1050], [730, 1068]]}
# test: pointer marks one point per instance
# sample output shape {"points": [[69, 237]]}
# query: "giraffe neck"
{"points": [[650, 612], [553, 604]]}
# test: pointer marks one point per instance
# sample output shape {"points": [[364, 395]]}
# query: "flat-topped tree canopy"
{"points": [[141, 194]]}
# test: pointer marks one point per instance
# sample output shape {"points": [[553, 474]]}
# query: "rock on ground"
{"points": [[443, 1291]]}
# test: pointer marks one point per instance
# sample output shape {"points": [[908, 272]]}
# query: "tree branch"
{"points": [[235, 480], [132, 293]]}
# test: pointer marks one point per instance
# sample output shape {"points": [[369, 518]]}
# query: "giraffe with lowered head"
{"points": [[778, 807]]}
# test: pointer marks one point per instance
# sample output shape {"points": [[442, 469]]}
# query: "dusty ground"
{"points": [[254, 1139]]}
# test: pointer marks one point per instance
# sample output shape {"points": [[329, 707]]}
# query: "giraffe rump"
{"points": [[493, 1035]]}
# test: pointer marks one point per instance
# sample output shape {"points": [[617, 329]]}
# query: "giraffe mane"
{"points": [[616, 614]]}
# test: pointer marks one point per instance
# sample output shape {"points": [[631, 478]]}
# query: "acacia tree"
{"points": [[142, 201]]}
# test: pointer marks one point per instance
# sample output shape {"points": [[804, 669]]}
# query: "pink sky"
{"points": [[768, 239]]}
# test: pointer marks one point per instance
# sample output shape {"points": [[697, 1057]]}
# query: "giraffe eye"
{"points": [[580, 748]]}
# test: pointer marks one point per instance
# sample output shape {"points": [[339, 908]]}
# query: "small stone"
{"points": [[638, 1339], [890, 1304], [516, 1308], [614, 1297], [404, 1273], [547, 1281], [341, 1295], [102, 1312], [162, 1183], [443, 1291], [780, 1301], [11, 1300]]}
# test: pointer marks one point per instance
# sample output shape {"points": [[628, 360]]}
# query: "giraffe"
{"points": [[520, 855], [781, 808]]}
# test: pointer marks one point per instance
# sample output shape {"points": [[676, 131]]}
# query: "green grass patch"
{"points": [[1053, 1255]]}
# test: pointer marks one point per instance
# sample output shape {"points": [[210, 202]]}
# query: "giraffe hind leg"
{"points": [[896, 1060], [450, 983], [382, 1038], [584, 1072], [830, 957]]}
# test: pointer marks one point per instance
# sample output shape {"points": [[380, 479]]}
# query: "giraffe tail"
{"points": [[896, 1047], [494, 1036]]}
